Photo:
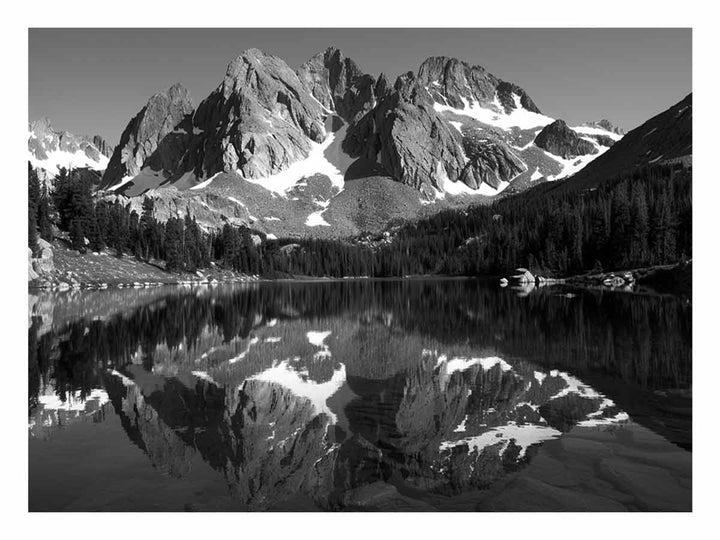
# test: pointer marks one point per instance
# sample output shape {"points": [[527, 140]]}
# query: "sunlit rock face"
{"points": [[156, 137], [450, 132]]}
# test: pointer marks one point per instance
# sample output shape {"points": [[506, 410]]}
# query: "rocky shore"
{"points": [[56, 267], [668, 279]]}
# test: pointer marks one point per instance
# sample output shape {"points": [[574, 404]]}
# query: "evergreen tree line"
{"points": [[637, 220], [642, 219]]}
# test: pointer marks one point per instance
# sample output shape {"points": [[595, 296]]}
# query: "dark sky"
{"points": [[91, 81]]}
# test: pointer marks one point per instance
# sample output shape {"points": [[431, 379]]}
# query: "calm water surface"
{"points": [[450, 395]]}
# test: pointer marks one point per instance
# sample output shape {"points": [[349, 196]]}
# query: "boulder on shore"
{"points": [[32, 274], [523, 275], [42, 265]]}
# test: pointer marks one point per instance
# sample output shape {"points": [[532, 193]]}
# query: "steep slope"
{"points": [[457, 129], [154, 138], [49, 149], [664, 139], [337, 83], [453, 134], [259, 120]]}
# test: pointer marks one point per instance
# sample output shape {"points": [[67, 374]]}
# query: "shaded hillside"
{"points": [[665, 139]]}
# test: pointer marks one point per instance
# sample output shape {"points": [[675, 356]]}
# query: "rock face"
{"points": [[412, 143], [32, 274], [49, 149], [103, 146], [419, 147], [557, 138], [264, 117], [490, 162], [328, 76], [452, 128], [41, 265], [152, 137], [259, 120], [455, 83]]}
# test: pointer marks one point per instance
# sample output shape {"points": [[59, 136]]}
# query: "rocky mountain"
{"points": [[154, 138], [557, 138], [664, 139], [301, 145], [50, 149]]}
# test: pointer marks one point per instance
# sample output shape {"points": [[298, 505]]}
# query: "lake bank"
{"points": [[68, 269], [675, 279]]}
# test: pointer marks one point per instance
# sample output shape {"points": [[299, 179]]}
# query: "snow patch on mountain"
{"points": [[449, 187], [58, 159], [519, 117], [573, 165], [206, 183], [316, 219], [589, 130], [326, 158]]}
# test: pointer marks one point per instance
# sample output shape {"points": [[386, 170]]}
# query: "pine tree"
{"points": [[148, 229], [33, 197], [43, 215], [639, 239], [174, 244]]}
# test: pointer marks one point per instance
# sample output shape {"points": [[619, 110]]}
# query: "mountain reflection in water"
{"points": [[406, 395]]}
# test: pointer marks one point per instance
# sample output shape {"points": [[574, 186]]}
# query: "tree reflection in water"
{"points": [[324, 388]]}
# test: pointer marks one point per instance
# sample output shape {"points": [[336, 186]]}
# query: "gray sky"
{"points": [[91, 81]]}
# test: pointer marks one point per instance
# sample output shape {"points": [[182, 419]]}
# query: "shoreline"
{"points": [[67, 269]]}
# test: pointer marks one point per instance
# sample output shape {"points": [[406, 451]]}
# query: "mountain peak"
{"points": [[559, 139], [139, 141], [606, 125], [41, 125], [177, 93], [455, 83], [50, 149], [328, 76]]}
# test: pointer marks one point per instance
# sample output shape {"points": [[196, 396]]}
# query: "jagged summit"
{"points": [[50, 149], [456, 83], [329, 76], [451, 132], [151, 138]]}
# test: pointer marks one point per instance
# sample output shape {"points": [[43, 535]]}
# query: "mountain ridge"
{"points": [[453, 133], [666, 138], [50, 149]]}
